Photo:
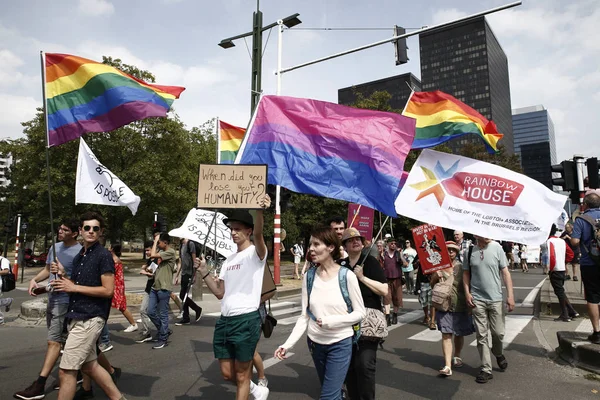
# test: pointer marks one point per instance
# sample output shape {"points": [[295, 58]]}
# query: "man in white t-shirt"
{"points": [[5, 302], [239, 288]]}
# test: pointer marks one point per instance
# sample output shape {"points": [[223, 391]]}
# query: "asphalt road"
{"points": [[407, 366]]}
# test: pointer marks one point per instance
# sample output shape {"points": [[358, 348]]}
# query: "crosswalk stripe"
{"points": [[273, 306], [513, 325], [529, 300], [585, 326], [427, 335], [406, 319]]}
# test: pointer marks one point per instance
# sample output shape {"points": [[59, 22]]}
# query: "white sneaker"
{"points": [[138, 320], [131, 328], [261, 393], [180, 315], [263, 382]]}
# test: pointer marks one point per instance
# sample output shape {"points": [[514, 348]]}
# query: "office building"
{"points": [[5, 164], [534, 142], [467, 61], [399, 87]]}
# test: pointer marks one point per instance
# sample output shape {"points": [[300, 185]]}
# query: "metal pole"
{"points": [[277, 220], [16, 263], [394, 38], [256, 58], [580, 165], [22, 258]]}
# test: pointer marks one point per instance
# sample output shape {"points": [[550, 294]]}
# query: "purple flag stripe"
{"points": [[115, 118], [344, 149]]}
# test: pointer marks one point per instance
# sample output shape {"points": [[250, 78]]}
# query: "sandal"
{"points": [[446, 371], [432, 326], [457, 362], [425, 321]]}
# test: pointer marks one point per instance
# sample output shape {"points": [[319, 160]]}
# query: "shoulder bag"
{"points": [[441, 294]]}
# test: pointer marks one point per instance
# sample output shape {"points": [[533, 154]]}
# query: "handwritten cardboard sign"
{"points": [[231, 185], [431, 248]]}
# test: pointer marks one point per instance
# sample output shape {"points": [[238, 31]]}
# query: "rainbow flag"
{"points": [[230, 139], [330, 150], [87, 96], [441, 117]]}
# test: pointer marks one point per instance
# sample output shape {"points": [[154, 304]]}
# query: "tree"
{"points": [[157, 158]]}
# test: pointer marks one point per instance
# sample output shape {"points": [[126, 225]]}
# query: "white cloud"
{"points": [[96, 7], [16, 109]]}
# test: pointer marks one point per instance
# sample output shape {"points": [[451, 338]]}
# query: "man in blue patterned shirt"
{"points": [[91, 287]]}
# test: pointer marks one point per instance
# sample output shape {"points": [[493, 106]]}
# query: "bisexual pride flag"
{"points": [[330, 150]]}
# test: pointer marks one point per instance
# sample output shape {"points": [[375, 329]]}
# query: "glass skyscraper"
{"points": [[467, 62], [397, 86], [534, 142]]}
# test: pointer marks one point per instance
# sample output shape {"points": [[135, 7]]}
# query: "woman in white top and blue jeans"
{"points": [[330, 333]]}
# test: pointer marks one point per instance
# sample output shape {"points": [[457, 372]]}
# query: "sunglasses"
{"points": [[94, 228]]}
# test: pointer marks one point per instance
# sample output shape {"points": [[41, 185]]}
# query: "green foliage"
{"points": [[157, 158]]}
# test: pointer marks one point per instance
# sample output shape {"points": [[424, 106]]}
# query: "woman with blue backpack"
{"points": [[332, 307]]}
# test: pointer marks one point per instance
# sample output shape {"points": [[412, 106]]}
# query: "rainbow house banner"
{"points": [[87, 96], [330, 150], [228, 142], [441, 117]]}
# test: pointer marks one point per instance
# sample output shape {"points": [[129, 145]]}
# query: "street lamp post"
{"points": [[256, 88]]}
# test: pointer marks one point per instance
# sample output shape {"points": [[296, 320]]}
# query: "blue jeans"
{"points": [[105, 334], [158, 312], [331, 362]]}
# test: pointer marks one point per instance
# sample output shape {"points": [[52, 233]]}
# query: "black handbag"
{"points": [[8, 282], [269, 324]]}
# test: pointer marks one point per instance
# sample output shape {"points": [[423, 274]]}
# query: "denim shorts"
{"points": [[55, 321]]}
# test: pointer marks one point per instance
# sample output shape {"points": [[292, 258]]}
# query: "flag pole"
{"points": [[277, 219], [218, 137], [43, 65], [355, 215]]}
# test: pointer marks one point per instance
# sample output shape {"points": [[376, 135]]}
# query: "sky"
{"points": [[551, 45]]}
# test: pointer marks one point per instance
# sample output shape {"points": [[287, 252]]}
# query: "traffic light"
{"points": [[162, 223], [592, 168], [568, 175], [400, 46]]}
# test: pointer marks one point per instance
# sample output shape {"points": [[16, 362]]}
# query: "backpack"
{"points": [[594, 250], [343, 281], [8, 281]]}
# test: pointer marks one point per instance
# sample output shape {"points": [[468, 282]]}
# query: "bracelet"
{"points": [[207, 274]]}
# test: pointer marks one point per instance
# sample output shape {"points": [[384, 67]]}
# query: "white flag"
{"points": [[477, 197], [95, 184], [196, 227]]}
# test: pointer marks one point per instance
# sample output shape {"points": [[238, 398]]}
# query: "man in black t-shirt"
{"points": [[360, 379]]}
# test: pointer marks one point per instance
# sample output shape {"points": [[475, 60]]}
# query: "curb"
{"points": [[288, 293], [574, 348]]}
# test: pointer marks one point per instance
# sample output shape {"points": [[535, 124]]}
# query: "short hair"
{"points": [[592, 200], [116, 248], [458, 233], [148, 243], [326, 235], [71, 223], [165, 237], [553, 230], [90, 215], [337, 220]]}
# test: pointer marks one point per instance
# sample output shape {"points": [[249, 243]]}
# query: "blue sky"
{"points": [[551, 45]]}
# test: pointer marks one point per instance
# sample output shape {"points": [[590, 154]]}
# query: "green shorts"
{"points": [[236, 337]]}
